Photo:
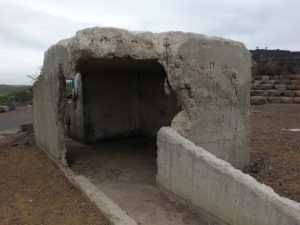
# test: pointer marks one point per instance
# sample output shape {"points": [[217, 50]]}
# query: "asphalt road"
{"points": [[13, 120]]}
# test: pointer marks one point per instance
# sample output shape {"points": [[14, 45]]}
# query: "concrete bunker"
{"points": [[209, 76], [130, 74]]}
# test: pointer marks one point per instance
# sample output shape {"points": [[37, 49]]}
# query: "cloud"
{"points": [[29, 27], [25, 35], [16, 63]]}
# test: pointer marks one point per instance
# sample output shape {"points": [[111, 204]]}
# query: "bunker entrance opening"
{"points": [[114, 115], [125, 98], [117, 109]]}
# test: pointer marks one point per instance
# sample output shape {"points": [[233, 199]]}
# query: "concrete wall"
{"points": [[125, 105], [48, 109], [44, 116], [49, 104], [197, 176], [110, 106], [216, 93], [156, 108]]}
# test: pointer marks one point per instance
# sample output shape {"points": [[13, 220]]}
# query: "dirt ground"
{"points": [[275, 154], [34, 191]]}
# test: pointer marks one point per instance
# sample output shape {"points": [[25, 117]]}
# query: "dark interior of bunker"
{"points": [[124, 104]]}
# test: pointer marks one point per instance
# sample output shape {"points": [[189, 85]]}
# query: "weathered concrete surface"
{"points": [[214, 185], [48, 112], [209, 76]]}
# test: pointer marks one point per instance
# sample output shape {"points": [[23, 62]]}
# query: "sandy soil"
{"points": [[275, 156], [34, 191]]}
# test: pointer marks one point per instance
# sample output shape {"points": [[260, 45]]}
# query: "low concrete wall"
{"points": [[212, 184]]}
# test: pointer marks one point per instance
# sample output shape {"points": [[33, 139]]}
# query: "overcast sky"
{"points": [[28, 28]]}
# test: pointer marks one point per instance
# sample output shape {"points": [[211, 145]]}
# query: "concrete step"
{"points": [[285, 93], [286, 82], [281, 87], [260, 100], [277, 77]]}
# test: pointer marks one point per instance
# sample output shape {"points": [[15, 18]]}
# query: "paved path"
{"points": [[12, 120]]}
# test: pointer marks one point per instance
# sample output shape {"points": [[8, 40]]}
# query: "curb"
{"points": [[110, 210]]}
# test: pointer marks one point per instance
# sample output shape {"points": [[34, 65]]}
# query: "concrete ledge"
{"points": [[111, 211], [212, 184]]}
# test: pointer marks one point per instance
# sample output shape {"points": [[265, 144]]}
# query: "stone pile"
{"points": [[275, 89]]}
